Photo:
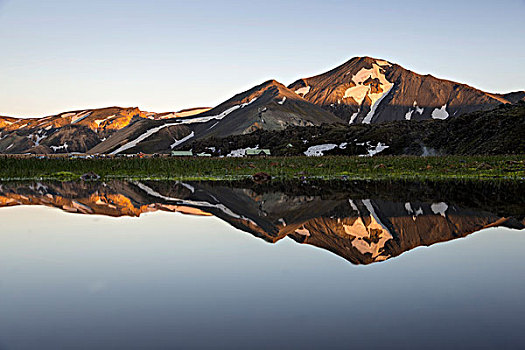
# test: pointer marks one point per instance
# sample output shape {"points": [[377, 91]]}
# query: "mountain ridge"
{"points": [[363, 90], [368, 90]]}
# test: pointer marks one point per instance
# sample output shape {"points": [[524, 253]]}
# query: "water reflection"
{"points": [[362, 222]]}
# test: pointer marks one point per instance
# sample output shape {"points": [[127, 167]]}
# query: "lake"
{"points": [[296, 264]]}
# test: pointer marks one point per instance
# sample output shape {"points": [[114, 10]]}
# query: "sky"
{"points": [[160, 55]]}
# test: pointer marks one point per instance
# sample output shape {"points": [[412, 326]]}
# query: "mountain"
{"points": [[369, 90], [269, 106], [80, 131], [361, 222], [362, 91]]}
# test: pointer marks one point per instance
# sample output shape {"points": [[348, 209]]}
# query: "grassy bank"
{"points": [[388, 167]]}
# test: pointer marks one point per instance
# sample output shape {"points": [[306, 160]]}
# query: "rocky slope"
{"points": [[364, 90], [498, 131], [369, 90], [269, 106], [361, 222], [79, 131]]}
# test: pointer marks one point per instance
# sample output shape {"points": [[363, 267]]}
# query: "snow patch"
{"points": [[376, 100], [36, 138], [317, 151], [383, 63], [303, 231], [373, 150], [360, 91], [181, 141], [80, 116], [439, 208], [100, 121], [303, 91], [440, 113], [56, 148], [218, 116], [282, 101], [352, 118], [141, 138]]}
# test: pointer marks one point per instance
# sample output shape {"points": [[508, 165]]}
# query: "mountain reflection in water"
{"points": [[362, 222]]}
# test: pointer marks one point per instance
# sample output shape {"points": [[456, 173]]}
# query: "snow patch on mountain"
{"points": [[100, 121], [218, 116], [411, 111], [440, 113], [36, 138], [358, 93], [376, 100], [181, 141], [141, 138], [361, 90], [383, 63], [56, 148], [303, 91], [80, 116], [352, 118], [282, 101]]}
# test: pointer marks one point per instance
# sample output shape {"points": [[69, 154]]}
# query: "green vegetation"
{"points": [[330, 167]]}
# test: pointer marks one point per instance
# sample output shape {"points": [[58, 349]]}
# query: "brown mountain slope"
{"points": [[369, 90]]}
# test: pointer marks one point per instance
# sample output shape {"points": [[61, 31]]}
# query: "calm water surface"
{"points": [[157, 265]]}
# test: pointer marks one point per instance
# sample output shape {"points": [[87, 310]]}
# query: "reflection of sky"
{"points": [[163, 55], [165, 279]]}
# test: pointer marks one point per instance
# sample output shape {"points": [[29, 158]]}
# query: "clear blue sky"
{"points": [[160, 55]]}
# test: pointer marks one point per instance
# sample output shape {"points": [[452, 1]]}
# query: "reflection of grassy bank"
{"points": [[400, 167]]}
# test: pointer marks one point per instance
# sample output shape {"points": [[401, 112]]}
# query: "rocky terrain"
{"points": [[363, 222], [364, 91], [498, 131]]}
